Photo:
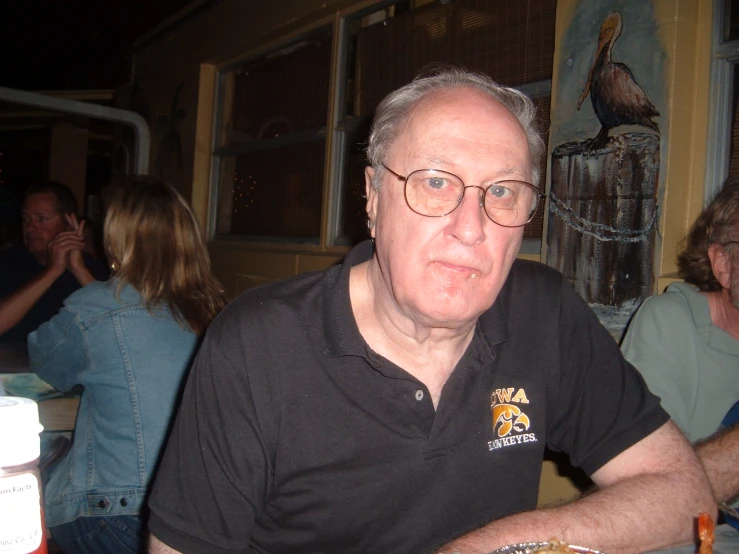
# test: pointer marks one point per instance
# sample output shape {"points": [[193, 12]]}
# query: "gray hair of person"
{"points": [[718, 223], [393, 112]]}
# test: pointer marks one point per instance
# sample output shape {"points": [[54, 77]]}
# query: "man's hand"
{"points": [[65, 252], [719, 454], [60, 248], [76, 261]]}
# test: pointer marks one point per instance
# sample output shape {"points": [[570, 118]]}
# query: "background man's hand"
{"points": [[76, 262], [60, 248]]}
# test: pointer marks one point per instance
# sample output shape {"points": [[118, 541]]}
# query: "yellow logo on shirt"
{"points": [[510, 423]]}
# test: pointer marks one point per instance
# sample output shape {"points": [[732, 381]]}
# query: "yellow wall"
{"points": [[685, 29], [193, 51]]}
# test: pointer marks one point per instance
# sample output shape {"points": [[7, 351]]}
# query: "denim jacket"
{"points": [[131, 363]]}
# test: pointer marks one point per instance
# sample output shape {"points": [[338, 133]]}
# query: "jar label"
{"points": [[21, 529]]}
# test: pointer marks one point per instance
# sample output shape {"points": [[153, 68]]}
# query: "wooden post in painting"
{"points": [[603, 217]]}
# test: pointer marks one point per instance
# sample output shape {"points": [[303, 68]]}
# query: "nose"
{"points": [[468, 220]]}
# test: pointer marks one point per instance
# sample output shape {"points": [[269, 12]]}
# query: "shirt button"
{"points": [[124, 502], [419, 394]]}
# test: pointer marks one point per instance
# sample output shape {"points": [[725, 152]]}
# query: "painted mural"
{"points": [[605, 162]]}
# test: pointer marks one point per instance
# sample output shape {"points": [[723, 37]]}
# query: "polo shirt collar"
{"points": [[342, 334], [714, 336]]}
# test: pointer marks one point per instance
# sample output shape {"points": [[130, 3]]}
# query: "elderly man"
{"points": [[35, 280], [402, 402], [685, 343]]}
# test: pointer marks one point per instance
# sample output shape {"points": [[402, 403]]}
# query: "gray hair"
{"points": [[393, 112]]}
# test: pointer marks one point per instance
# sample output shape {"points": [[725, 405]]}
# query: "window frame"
{"points": [[725, 59], [218, 152]]}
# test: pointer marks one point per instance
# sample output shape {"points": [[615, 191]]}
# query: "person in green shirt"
{"points": [[685, 343]]}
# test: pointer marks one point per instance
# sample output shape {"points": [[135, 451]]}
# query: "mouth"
{"points": [[469, 272]]}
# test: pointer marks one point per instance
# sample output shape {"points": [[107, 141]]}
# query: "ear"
{"points": [[372, 199], [720, 264]]}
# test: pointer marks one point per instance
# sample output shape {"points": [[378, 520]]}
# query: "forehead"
{"points": [[42, 202], [461, 118]]}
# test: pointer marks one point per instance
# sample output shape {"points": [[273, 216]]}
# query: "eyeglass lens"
{"points": [[437, 193]]}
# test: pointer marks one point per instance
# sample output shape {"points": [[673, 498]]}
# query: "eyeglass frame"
{"points": [[539, 195]]}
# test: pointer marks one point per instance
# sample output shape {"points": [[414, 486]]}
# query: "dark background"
{"points": [[74, 44], [52, 45]]}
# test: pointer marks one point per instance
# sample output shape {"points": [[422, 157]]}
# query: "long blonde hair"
{"points": [[153, 242]]}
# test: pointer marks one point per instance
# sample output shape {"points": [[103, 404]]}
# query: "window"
{"points": [[723, 140], [272, 133], [272, 142]]}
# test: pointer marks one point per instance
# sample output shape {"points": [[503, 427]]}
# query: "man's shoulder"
{"points": [[673, 305], [528, 277], [16, 257], [535, 269], [18, 266]]}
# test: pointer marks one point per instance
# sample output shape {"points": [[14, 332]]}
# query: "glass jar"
{"points": [[22, 527]]}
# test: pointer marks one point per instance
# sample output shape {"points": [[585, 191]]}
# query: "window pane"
{"points": [[513, 42], [272, 142], [535, 227], [734, 154], [283, 92], [274, 193], [354, 215], [731, 20]]}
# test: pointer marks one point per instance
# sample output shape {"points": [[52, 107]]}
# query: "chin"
{"points": [[444, 310]]}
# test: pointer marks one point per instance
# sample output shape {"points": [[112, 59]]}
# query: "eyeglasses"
{"points": [[435, 193]]}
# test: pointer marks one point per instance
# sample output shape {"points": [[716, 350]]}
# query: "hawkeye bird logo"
{"points": [[510, 423], [504, 415]]}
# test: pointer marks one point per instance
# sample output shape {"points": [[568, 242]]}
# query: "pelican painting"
{"points": [[616, 97]]}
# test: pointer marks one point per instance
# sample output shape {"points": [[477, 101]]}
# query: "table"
{"points": [[57, 410], [59, 414]]}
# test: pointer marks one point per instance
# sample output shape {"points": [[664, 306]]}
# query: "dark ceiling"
{"points": [[74, 44]]}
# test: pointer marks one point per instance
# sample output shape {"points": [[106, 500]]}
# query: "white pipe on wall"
{"points": [[95, 111]]}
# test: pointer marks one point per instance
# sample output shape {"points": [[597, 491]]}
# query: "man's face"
{"points": [[446, 271], [41, 222]]}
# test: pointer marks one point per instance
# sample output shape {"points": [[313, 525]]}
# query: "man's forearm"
{"points": [[649, 497], [83, 275], [17, 304], [719, 456], [620, 519], [158, 547]]}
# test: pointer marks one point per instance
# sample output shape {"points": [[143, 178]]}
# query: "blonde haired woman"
{"points": [[128, 342]]}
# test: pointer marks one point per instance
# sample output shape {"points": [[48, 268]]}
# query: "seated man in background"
{"points": [[685, 343], [401, 402], [35, 279]]}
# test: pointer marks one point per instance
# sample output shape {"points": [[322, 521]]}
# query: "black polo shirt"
{"points": [[294, 436]]}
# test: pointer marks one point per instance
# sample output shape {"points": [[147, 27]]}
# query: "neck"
{"points": [[724, 314], [428, 353]]}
